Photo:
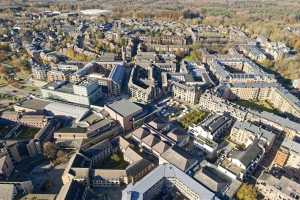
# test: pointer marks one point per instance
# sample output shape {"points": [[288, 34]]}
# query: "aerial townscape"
{"points": [[149, 100]]}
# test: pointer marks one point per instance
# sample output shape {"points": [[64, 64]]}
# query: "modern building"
{"points": [[125, 112], [212, 127], [164, 179], [83, 93]]}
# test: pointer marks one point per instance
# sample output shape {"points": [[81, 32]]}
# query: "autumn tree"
{"points": [[246, 192]]}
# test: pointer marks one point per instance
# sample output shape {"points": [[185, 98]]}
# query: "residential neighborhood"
{"points": [[99, 104]]}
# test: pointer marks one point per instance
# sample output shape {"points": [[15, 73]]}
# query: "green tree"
{"points": [[49, 150]]}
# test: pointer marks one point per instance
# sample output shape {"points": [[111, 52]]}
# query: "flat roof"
{"points": [[34, 104], [124, 107]]}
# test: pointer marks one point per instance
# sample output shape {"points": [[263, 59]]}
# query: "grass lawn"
{"points": [[115, 161], [194, 117], [27, 133]]}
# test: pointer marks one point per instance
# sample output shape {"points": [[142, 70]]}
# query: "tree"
{"points": [[246, 192], [49, 150]]}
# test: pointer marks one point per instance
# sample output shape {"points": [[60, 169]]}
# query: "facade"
{"points": [[185, 93], [124, 111], [144, 83], [6, 165], [84, 93], [245, 133]]}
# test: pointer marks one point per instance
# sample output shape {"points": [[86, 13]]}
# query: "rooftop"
{"points": [[124, 107], [165, 171]]}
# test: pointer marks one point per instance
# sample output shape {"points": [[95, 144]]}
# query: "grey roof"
{"points": [[255, 129], [34, 104], [39, 197], [72, 130], [100, 124], [179, 159], [285, 185], [214, 122], [284, 122], [212, 178], [124, 107], [291, 145], [248, 155], [76, 112], [165, 171]]}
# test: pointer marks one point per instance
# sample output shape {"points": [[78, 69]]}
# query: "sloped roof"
{"points": [[132, 155], [161, 147], [151, 140], [141, 133], [181, 161]]}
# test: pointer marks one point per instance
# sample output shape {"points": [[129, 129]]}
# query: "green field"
{"points": [[194, 117]]}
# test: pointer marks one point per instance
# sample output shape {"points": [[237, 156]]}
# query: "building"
{"points": [[218, 182], [83, 93], [187, 86], [164, 179], [241, 163], [288, 154], [124, 112], [245, 133], [145, 83], [70, 137], [277, 188], [8, 191], [6, 165], [179, 158], [212, 127]]}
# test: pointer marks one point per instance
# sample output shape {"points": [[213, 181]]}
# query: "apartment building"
{"points": [[145, 83], [277, 188], [213, 127], [288, 155], [169, 177], [245, 133]]}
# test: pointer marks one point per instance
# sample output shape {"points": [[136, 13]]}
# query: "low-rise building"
{"points": [[125, 112], [245, 133]]}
